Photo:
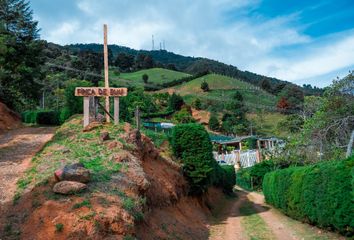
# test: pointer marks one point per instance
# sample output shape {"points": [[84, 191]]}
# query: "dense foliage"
{"points": [[319, 194], [191, 144], [41, 117], [323, 128], [234, 121], [252, 178], [21, 55]]}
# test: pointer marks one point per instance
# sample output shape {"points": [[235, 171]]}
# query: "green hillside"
{"points": [[222, 88], [156, 76]]}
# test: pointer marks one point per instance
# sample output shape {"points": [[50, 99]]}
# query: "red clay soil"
{"points": [[168, 212], [8, 118]]}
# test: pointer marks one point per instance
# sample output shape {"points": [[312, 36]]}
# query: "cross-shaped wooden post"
{"points": [[106, 81], [105, 92]]}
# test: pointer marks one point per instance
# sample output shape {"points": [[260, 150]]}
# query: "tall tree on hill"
{"points": [[235, 122], [21, 55], [145, 78], [265, 85], [124, 61], [175, 102], [214, 122], [148, 62]]}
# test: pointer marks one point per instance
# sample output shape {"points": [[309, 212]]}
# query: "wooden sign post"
{"points": [[105, 53], [105, 92], [88, 92]]}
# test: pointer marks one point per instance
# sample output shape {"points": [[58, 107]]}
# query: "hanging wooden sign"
{"points": [[100, 92]]}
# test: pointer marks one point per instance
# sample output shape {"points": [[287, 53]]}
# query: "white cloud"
{"points": [[217, 29]]}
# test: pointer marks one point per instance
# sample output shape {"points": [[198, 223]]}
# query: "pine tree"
{"points": [[204, 86], [214, 123], [21, 55]]}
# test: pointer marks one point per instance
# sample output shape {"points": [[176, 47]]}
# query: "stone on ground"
{"points": [[69, 187], [74, 172]]}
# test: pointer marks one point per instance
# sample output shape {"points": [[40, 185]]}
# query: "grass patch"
{"points": [[59, 227], [84, 203], [158, 138], [254, 225], [88, 216], [71, 145]]}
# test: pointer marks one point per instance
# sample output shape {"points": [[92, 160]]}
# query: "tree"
{"points": [[197, 104], [124, 61], [145, 78], [283, 105], [148, 62], [175, 102], [183, 116], [214, 123], [265, 85], [21, 55], [204, 86]]}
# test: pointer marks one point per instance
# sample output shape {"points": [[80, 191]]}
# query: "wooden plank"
{"points": [[86, 111], [105, 53], [116, 110], [100, 92]]}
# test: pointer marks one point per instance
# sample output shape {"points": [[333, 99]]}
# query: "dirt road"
{"points": [[248, 217], [17, 147]]}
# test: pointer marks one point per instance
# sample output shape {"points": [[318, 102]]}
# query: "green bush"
{"points": [[252, 178], [64, 115], [320, 194], [228, 178], [48, 117], [191, 143], [29, 116]]}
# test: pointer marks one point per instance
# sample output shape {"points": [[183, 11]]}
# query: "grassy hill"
{"points": [[223, 88], [156, 76]]}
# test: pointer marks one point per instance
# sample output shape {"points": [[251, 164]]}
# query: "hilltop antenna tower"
{"points": [[163, 45], [160, 46], [153, 43]]}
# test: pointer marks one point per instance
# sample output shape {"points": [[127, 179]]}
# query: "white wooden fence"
{"points": [[243, 158]]}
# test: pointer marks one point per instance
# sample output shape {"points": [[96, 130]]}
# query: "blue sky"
{"points": [[300, 41]]}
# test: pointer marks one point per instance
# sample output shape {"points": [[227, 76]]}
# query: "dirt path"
{"points": [[248, 217], [17, 147]]}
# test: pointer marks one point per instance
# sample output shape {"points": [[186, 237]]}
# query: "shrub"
{"points": [[252, 178], [183, 116], [48, 117], [319, 194], [228, 178], [214, 123], [204, 86], [191, 143], [64, 115], [29, 116]]}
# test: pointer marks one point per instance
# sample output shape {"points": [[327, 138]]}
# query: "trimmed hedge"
{"points": [[228, 178], [41, 117], [321, 194]]}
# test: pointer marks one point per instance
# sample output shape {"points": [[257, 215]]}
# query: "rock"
{"points": [[114, 144], [69, 187], [58, 175], [104, 136], [91, 126], [74, 172]]}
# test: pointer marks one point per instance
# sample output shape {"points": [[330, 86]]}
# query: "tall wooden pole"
{"points": [[106, 83]]}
